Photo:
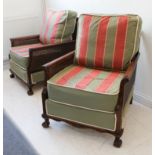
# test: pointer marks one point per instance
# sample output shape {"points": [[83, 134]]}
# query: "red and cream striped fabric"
{"points": [[58, 26], [87, 79], [109, 42], [23, 51]]}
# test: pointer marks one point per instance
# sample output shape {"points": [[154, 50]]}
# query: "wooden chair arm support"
{"points": [[129, 72], [127, 83], [58, 64], [32, 39]]}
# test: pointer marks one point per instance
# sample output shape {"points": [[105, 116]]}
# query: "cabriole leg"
{"points": [[46, 123], [30, 91]]}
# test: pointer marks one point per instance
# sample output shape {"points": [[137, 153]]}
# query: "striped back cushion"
{"points": [[107, 42], [58, 26]]}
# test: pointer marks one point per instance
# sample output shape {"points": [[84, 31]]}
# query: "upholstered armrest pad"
{"points": [[32, 39], [58, 64], [41, 55]]}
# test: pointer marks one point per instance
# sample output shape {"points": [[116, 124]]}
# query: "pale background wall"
{"points": [[21, 17], [143, 86]]}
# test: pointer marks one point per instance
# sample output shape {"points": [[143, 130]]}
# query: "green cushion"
{"points": [[20, 54], [85, 116], [107, 41], [80, 115], [22, 73], [85, 87], [19, 71], [37, 77]]}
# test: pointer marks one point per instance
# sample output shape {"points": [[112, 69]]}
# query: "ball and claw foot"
{"points": [[30, 92], [46, 124], [117, 142], [12, 75]]}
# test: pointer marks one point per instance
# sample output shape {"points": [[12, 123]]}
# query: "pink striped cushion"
{"points": [[58, 26]]}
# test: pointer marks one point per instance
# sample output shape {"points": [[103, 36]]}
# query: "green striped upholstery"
{"points": [[58, 26], [89, 88], [81, 114], [20, 54], [107, 41], [99, 119], [22, 73]]}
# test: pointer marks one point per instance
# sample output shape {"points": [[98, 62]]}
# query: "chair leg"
{"points": [[131, 101], [12, 75], [118, 142], [46, 123], [30, 91]]}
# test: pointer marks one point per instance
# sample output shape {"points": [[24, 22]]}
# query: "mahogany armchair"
{"points": [[87, 89], [29, 53]]}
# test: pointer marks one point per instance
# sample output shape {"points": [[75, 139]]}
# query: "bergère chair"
{"points": [[91, 86], [28, 54]]}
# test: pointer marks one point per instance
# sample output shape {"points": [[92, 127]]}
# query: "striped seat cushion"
{"points": [[20, 54], [85, 87], [58, 26], [109, 42]]}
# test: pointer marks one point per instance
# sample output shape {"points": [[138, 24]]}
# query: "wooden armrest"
{"points": [[127, 83], [41, 55], [58, 64], [131, 69], [32, 39]]}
